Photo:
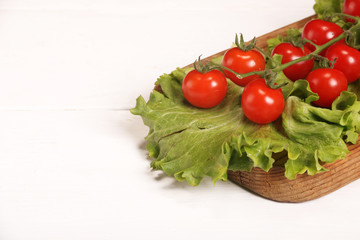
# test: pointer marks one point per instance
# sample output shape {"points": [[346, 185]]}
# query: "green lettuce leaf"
{"points": [[191, 143], [322, 7]]}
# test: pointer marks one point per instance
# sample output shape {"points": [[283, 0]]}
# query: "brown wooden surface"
{"points": [[274, 185]]}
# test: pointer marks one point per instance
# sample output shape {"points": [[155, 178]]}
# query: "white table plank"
{"points": [[103, 54], [85, 175]]}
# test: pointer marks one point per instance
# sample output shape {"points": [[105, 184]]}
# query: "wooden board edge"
{"points": [[275, 186]]}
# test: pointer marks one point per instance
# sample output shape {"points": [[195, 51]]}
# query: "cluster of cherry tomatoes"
{"points": [[262, 103]]}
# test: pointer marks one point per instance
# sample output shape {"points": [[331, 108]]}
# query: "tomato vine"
{"points": [[246, 63], [348, 34]]}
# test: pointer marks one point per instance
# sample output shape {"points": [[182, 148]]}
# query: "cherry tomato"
{"points": [[260, 103], [351, 7], [319, 32], [243, 62], [204, 90], [289, 53], [328, 84], [347, 60]]}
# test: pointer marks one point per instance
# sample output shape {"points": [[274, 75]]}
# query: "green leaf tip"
{"points": [[140, 106]]}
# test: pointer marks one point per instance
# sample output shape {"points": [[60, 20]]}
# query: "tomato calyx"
{"points": [[352, 38], [242, 45], [297, 42], [200, 67], [270, 80], [324, 62]]}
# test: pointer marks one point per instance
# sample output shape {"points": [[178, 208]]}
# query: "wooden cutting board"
{"points": [[274, 185]]}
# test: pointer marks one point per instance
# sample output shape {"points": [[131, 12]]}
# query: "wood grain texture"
{"points": [[273, 184]]}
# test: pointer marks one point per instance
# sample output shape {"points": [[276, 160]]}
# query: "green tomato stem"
{"points": [[238, 75], [281, 67], [347, 16], [266, 55], [318, 49]]}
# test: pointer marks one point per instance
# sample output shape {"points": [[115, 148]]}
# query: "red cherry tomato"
{"points": [[260, 103], [204, 90], [319, 32], [289, 53], [243, 62], [351, 7], [328, 84], [347, 60]]}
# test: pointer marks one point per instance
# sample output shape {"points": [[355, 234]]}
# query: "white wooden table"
{"points": [[73, 163]]}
